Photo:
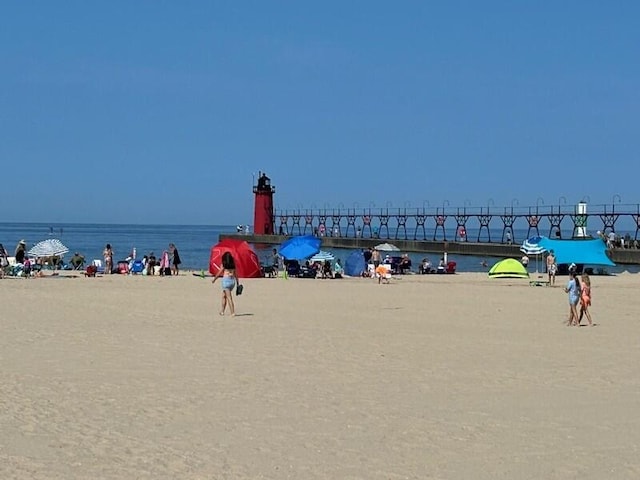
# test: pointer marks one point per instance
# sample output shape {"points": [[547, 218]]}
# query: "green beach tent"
{"points": [[508, 268]]}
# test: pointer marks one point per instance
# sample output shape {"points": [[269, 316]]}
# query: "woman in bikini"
{"points": [[228, 274], [585, 299], [108, 258]]}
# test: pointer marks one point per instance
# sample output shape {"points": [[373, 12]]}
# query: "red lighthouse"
{"points": [[263, 220]]}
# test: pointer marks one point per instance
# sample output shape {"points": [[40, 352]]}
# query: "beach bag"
{"points": [[239, 289]]}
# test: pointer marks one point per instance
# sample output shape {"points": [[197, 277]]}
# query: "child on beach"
{"points": [[228, 274], [573, 289], [585, 299]]}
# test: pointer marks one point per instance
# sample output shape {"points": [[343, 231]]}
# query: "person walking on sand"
{"points": [[573, 289], [228, 274], [552, 268], [585, 299]]}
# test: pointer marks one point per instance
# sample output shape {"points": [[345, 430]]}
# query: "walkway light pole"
{"points": [[444, 202], [613, 202]]}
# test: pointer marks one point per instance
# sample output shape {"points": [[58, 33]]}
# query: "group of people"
{"points": [[579, 293], [316, 269], [168, 263], [23, 265]]}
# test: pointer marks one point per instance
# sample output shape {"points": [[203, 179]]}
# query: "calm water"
{"points": [[194, 243]]}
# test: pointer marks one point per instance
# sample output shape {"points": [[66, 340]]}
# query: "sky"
{"points": [[164, 112]]}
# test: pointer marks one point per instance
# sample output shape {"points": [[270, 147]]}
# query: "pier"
{"points": [[481, 231]]}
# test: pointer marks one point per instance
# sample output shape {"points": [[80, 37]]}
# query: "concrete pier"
{"points": [[619, 256]]}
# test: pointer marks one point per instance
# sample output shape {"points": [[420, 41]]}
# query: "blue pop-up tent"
{"points": [[587, 252], [354, 265]]}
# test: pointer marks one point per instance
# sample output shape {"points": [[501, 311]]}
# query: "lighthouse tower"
{"points": [[263, 220]]}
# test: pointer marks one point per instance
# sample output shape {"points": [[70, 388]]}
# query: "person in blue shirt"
{"points": [[573, 289]]}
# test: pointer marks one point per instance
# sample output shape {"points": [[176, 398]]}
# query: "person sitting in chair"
{"points": [[327, 271], [425, 266], [77, 261], [405, 264]]}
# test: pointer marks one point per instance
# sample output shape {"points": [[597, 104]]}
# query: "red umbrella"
{"points": [[247, 263]]}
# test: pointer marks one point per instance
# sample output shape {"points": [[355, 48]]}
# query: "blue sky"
{"points": [[162, 112]]}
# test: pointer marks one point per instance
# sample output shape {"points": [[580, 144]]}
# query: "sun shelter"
{"points": [[247, 262], [355, 264], [586, 252], [508, 268]]}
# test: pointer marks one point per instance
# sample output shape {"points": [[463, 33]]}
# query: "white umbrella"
{"points": [[322, 256], [51, 247], [387, 247]]}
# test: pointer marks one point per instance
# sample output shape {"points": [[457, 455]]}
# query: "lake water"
{"points": [[194, 243]]}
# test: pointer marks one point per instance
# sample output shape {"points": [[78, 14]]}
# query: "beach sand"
{"points": [[445, 377]]}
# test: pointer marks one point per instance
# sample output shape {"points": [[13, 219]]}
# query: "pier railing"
{"points": [[487, 224]]}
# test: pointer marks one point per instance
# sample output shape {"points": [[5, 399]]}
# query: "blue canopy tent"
{"points": [[588, 252]]}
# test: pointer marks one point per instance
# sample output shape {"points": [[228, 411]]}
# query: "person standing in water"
{"points": [[228, 274]]}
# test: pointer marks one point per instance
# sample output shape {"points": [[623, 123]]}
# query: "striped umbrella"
{"points": [[531, 246], [48, 248], [322, 256]]}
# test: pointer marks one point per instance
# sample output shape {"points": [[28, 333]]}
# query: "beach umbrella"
{"points": [[247, 262], [355, 264], [300, 248], [387, 247], [51, 247], [322, 256], [531, 246]]}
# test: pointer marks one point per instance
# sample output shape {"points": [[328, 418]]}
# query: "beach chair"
{"points": [[98, 264], [137, 267], [91, 271]]}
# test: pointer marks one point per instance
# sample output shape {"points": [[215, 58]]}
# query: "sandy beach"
{"points": [[436, 376]]}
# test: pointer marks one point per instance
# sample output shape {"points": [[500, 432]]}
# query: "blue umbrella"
{"points": [[354, 266], [300, 248]]}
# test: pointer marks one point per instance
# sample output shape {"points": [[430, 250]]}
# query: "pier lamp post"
{"points": [[407, 204], [371, 206], [561, 201], [444, 202], [356, 206], [514, 201], [613, 202], [388, 206], [490, 202], [424, 210], [539, 201]]}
